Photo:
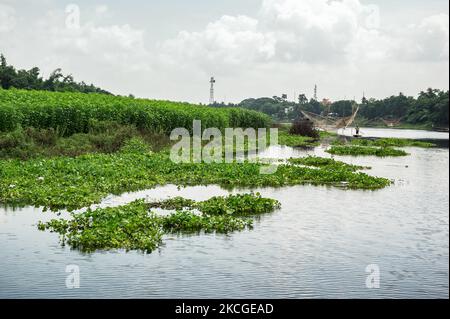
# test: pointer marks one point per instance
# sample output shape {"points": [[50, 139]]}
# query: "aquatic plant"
{"points": [[287, 139], [74, 183], [176, 203], [365, 151], [392, 142], [236, 205], [186, 222], [130, 227], [323, 162], [135, 227]]}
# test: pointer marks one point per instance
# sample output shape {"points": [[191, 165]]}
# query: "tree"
{"points": [[31, 80], [7, 73], [302, 99]]}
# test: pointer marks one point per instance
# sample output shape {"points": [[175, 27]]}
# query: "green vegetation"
{"points": [[236, 205], [287, 139], [71, 113], [392, 142], [188, 222], [103, 137], [365, 151], [429, 109], [128, 227], [304, 127], [329, 163], [73, 183], [31, 80], [176, 203], [134, 227]]}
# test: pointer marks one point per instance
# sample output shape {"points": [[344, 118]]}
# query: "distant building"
{"points": [[326, 102]]}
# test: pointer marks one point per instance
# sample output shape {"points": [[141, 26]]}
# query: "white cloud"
{"points": [[7, 18], [286, 46], [114, 44], [426, 41], [307, 31], [233, 41], [101, 9], [311, 31]]}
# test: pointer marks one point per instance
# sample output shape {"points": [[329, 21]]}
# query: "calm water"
{"points": [[317, 246], [413, 134]]}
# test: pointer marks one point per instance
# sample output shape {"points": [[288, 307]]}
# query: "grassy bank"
{"points": [[102, 137]]}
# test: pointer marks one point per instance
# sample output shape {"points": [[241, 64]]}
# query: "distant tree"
{"points": [[302, 99], [31, 80], [430, 107]]}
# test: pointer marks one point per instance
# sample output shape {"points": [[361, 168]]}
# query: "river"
{"points": [[317, 246]]}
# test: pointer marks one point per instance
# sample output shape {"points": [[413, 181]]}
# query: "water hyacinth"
{"points": [[323, 162], [130, 227], [236, 205], [74, 183], [135, 227], [392, 142], [353, 150]]}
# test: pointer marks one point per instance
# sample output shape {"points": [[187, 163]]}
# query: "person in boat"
{"points": [[357, 130]]}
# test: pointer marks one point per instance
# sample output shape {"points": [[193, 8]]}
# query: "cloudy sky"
{"points": [[169, 49]]}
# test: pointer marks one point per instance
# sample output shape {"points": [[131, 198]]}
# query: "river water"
{"points": [[396, 133], [317, 246]]}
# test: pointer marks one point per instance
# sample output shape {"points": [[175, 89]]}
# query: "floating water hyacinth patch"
{"points": [[129, 227], [353, 150], [74, 183], [323, 162], [392, 142], [188, 222], [237, 205], [135, 227]]}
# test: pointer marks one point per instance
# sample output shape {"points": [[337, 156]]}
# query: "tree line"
{"points": [[32, 80], [430, 107]]}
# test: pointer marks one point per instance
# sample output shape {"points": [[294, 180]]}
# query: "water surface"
{"points": [[397, 133], [317, 246]]}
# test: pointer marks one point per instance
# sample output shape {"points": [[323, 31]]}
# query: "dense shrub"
{"points": [[304, 127]]}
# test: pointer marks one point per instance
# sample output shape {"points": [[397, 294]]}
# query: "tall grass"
{"points": [[70, 113]]}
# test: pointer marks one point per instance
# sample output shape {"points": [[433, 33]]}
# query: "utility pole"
{"points": [[211, 92]]}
